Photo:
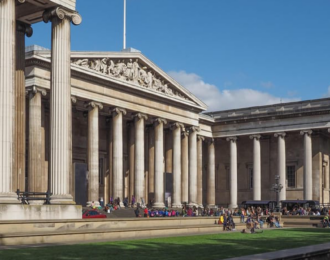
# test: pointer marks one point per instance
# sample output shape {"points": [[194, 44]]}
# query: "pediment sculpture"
{"points": [[131, 71]]}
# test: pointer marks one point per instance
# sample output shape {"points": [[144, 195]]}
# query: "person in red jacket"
{"points": [[146, 212]]}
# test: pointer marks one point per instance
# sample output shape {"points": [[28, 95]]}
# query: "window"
{"points": [[291, 176], [250, 178]]}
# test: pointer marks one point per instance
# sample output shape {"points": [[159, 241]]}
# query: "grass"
{"points": [[217, 246]]}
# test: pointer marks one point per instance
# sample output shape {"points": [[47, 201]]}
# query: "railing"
{"points": [[26, 196]]}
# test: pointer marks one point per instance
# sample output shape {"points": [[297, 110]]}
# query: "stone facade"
{"points": [[113, 124]]}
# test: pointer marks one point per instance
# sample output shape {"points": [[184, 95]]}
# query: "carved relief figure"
{"points": [[129, 70]]}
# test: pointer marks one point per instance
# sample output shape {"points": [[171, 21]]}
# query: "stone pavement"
{"points": [[295, 253]]}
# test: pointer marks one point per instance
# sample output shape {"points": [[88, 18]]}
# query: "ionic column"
{"points": [[60, 103], [281, 165], [308, 177], [193, 166], [176, 133], [72, 175], [184, 166], [139, 156], [159, 159], [22, 29], [93, 151], [36, 181], [117, 146], [131, 159], [151, 162], [168, 151], [109, 176], [256, 167], [200, 140], [7, 116], [211, 174], [233, 172]]}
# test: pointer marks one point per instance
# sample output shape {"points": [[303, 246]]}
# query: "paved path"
{"points": [[300, 251]]}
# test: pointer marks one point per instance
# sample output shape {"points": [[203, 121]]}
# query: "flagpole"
{"points": [[124, 45]]}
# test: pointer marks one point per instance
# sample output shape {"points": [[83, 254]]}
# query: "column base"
{"points": [[9, 198], [201, 206], [233, 206], [177, 205], [62, 200], [192, 204], [210, 206], [159, 205]]}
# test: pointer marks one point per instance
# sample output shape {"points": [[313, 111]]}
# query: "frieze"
{"points": [[130, 71]]}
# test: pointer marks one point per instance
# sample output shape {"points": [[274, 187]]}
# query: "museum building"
{"points": [[92, 125]]}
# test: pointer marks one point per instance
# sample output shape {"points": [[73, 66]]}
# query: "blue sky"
{"points": [[230, 53]]}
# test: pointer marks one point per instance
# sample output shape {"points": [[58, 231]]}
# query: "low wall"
{"points": [[101, 224], [39, 212]]}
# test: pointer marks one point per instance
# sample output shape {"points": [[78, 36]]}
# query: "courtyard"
{"points": [[216, 246]]}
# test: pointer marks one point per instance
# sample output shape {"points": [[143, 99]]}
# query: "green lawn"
{"points": [[219, 246]]}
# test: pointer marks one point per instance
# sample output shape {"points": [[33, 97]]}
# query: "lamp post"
{"points": [[277, 187]]}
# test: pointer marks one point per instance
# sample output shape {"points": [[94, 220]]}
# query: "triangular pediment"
{"points": [[136, 69]]}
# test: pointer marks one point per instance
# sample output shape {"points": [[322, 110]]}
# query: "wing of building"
{"points": [[94, 127]]}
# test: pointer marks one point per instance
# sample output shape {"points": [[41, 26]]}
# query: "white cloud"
{"points": [[217, 99]]}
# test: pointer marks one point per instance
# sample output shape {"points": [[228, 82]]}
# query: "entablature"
{"points": [[31, 11]]}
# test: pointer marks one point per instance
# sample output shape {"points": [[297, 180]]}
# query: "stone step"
{"points": [[301, 224], [87, 224], [105, 235], [136, 230]]}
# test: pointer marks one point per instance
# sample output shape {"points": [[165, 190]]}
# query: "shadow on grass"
{"points": [[218, 246]]}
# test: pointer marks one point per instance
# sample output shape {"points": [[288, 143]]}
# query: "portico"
{"points": [[114, 125]]}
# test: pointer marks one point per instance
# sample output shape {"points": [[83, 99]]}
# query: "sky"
{"points": [[228, 53]]}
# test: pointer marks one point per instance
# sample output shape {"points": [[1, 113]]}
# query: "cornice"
{"points": [[78, 73]]}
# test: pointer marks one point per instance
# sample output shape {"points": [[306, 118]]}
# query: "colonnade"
{"points": [[187, 145], [12, 105], [187, 158]]}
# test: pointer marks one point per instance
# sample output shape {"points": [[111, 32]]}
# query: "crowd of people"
{"points": [[300, 211], [253, 217]]}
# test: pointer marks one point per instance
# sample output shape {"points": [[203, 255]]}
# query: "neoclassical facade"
{"points": [[91, 125]]}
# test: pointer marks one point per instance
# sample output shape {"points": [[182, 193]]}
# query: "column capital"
{"points": [[232, 139], [255, 137], [280, 134], [34, 90], [73, 100], [160, 120], [194, 129], [201, 138], [20, 1], [24, 28], [177, 125], [210, 140], [308, 132], [140, 116], [118, 110], [61, 13], [93, 104], [185, 133]]}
